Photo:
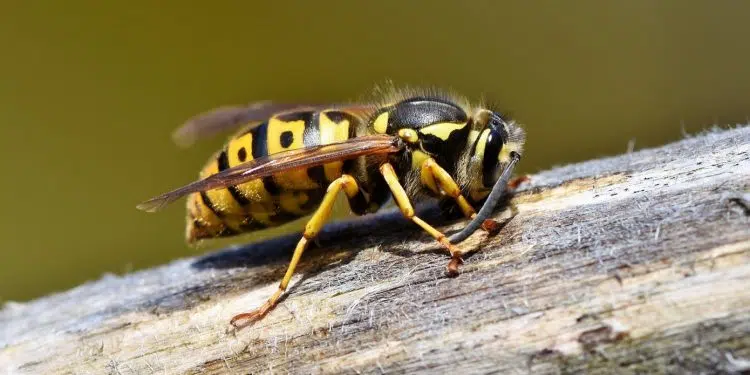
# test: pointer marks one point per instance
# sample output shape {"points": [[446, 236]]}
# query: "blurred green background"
{"points": [[90, 91]]}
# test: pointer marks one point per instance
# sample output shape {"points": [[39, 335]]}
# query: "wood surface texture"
{"points": [[638, 263]]}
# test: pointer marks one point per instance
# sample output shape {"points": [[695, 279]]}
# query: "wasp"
{"points": [[292, 160]]}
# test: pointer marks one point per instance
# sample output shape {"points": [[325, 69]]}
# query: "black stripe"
{"points": [[314, 197], [238, 196], [208, 203], [359, 204], [336, 116], [251, 129], [348, 166], [317, 174], [270, 185], [260, 141], [233, 191], [260, 149], [223, 160]]}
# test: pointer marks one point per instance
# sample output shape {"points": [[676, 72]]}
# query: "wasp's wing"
{"points": [[280, 162], [219, 120], [227, 118]]}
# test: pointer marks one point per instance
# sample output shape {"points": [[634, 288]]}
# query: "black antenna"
{"points": [[498, 191]]}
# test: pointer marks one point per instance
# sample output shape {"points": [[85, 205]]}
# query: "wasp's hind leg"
{"points": [[402, 200], [313, 227]]}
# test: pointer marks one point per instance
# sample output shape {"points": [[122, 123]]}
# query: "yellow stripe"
{"points": [[473, 136], [291, 202], [442, 130], [292, 180], [261, 213], [380, 125], [477, 192], [331, 132], [479, 152], [235, 145], [253, 190], [204, 214], [222, 200]]}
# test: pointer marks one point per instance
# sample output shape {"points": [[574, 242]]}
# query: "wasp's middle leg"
{"points": [[402, 200], [313, 227]]}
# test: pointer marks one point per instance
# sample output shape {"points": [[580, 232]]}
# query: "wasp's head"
{"points": [[493, 142]]}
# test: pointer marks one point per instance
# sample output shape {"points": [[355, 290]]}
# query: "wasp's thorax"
{"points": [[472, 145]]}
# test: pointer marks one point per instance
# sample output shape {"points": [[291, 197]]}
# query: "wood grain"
{"points": [[635, 263]]}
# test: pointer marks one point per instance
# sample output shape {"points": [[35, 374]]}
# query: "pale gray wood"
{"points": [[635, 263]]}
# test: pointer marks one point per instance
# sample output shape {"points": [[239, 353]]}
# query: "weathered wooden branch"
{"points": [[637, 263]]}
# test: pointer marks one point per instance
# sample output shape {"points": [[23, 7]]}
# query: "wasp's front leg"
{"points": [[402, 200], [438, 179]]}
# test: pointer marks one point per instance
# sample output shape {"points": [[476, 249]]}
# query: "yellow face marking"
{"points": [[284, 136], [417, 158], [504, 156], [442, 130], [473, 134], [479, 152], [408, 135], [331, 132], [380, 125]]}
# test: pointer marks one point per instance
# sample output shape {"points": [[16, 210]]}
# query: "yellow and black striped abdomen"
{"points": [[274, 200]]}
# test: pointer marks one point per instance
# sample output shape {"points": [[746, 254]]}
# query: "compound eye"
{"points": [[496, 123], [490, 161]]}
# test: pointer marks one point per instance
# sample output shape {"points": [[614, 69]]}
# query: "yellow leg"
{"points": [[434, 175], [313, 227], [449, 186], [402, 200]]}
